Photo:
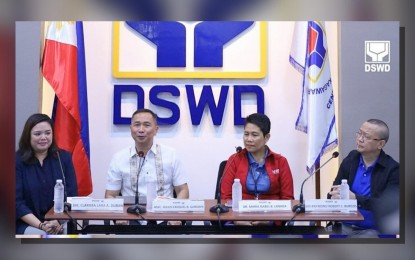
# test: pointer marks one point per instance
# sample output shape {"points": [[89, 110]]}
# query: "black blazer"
{"points": [[385, 177]]}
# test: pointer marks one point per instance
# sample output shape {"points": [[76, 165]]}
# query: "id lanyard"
{"points": [[256, 178]]}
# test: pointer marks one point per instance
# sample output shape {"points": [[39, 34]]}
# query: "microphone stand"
{"points": [[219, 208], [300, 207], [137, 208], [66, 205]]}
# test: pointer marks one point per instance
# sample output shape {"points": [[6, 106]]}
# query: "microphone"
{"points": [[300, 207], [219, 208], [138, 209], [66, 205]]}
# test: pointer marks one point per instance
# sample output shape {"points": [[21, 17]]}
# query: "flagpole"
{"points": [[41, 79], [317, 184], [317, 187]]}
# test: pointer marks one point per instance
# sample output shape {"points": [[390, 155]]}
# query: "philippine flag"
{"points": [[309, 55], [64, 69]]}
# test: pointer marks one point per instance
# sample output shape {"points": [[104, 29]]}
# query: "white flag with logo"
{"points": [[309, 55]]}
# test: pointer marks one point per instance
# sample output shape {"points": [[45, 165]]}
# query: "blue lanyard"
{"points": [[256, 178]]}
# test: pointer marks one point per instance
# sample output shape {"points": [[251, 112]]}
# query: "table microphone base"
{"points": [[219, 208], [67, 206], [136, 209], [299, 208]]}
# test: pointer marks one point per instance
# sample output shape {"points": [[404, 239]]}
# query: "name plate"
{"points": [[88, 204], [264, 205], [331, 205], [178, 205]]}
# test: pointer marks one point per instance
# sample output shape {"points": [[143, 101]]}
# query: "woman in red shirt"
{"points": [[264, 174]]}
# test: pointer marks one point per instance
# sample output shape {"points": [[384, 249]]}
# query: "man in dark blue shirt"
{"points": [[370, 172]]}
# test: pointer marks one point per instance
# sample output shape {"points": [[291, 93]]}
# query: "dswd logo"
{"points": [[377, 56], [166, 49], [316, 51]]}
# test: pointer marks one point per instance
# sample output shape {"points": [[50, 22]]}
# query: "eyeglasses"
{"points": [[365, 137]]}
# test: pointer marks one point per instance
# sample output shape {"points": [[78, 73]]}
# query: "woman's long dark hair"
{"points": [[25, 148]]}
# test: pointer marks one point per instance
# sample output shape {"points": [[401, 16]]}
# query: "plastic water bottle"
{"points": [[236, 194], [344, 190], [151, 192], [58, 196]]}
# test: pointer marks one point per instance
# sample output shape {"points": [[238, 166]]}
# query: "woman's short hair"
{"points": [[260, 120]]}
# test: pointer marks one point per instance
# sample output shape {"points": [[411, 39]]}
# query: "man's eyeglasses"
{"points": [[365, 137]]}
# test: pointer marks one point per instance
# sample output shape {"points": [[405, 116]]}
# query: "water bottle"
{"points": [[344, 190], [58, 197], [151, 192], [236, 194]]}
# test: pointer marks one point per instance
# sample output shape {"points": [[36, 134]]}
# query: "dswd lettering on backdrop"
{"points": [[189, 50]]}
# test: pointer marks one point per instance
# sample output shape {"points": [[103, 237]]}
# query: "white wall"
{"points": [[203, 147]]}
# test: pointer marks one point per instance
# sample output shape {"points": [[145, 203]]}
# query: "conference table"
{"points": [[212, 222]]}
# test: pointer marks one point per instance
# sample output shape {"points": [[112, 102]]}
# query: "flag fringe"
{"points": [[325, 150], [296, 65], [301, 128]]}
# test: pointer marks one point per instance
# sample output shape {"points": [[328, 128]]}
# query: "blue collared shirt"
{"points": [[257, 180], [361, 187]]}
